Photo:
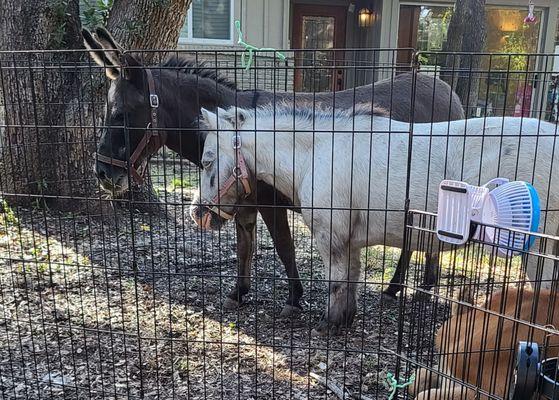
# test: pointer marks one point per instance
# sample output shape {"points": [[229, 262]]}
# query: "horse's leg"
{"points": [[342, 271], [246, 230], [276, 222], [430, 275], [403, 263]]}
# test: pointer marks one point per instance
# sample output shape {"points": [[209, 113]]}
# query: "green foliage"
{"points": [[518, 41], [178, 183], [7, 213], [94, 13], [42, 268], [59, 10]]}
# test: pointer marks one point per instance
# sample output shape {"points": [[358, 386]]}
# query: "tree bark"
{"points": [[39, 156], [147, 24], [49, 99], [467, 32]]}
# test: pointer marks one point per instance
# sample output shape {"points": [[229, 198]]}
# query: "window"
{"points": [[208, 21], [423, 28]]}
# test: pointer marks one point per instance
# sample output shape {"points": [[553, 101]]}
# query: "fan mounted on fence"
{"points": [[507, 214]]}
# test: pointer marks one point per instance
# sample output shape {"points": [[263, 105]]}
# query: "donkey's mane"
{"points": [[202, 69]]}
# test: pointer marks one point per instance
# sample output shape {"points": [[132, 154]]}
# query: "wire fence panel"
{"points": [[122, 277]]}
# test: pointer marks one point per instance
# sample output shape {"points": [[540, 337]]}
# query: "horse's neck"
{"points": [[271, 159]]}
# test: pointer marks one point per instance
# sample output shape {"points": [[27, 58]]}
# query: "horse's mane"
{"points": [[306, 110], [202, 69]]}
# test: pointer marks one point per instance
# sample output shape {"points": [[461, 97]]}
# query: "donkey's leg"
{"points": [[342, 272], [276, 222], [246, 231], [394, 287]]}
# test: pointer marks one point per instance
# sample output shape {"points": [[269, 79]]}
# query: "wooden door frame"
{"points": [[339, 13]]}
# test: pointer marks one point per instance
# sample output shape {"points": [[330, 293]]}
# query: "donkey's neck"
{"points": [[182, 104], [185, 107]]}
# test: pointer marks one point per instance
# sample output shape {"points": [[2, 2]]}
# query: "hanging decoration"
{"points": [[530, 18], [250, 49]]}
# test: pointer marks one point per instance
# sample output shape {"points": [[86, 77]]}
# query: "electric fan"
{"points": [[511, 209]]}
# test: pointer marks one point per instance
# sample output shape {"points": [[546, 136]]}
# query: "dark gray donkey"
{"points": [[170, 96]]}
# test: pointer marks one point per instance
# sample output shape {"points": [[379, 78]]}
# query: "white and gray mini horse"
{"points": [[351, 185]]}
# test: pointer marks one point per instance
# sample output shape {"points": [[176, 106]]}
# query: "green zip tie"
{"points": [[250, 49], [394, 385]]}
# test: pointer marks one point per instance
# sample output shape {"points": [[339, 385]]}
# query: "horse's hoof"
{"points": [[290, 311], [325, 328], [230, 304]]}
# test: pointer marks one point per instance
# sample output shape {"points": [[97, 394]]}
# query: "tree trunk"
{"points": [[467, 32], [147, 24], [39, 156], [50, 100]]}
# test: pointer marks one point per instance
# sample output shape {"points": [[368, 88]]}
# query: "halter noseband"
{"points": [[240, 173], [152, 135]]}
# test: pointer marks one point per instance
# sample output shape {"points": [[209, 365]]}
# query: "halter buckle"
{"points": [[153, 100]]}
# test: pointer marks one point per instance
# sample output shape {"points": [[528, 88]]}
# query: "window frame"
{"points": [[189, 39]]}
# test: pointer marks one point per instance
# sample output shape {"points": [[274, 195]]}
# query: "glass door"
{"points": [[318, 29]]}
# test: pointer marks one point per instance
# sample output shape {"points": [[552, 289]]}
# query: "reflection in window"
{"points": [[509, 92], [210, 19], [508, 88], [432, 29]]}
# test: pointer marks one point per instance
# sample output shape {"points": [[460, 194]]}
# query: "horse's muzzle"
{"points": [[206, 219]]}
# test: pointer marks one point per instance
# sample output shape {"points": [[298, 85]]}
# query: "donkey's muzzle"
{"points": [[111, 178]]}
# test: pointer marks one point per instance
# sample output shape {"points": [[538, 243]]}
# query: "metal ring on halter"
{"points": [[237, 172], [237, 141]]}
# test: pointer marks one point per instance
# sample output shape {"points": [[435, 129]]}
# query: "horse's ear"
{"points": [[99, 55], [209, 118]]}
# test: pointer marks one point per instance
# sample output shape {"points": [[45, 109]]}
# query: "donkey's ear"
{"points": [[107, 39], [98, 54], [113, 50], [209, 118]]}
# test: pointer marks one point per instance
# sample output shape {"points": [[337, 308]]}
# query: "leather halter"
{"points": [[152, 135], [239, 173]]}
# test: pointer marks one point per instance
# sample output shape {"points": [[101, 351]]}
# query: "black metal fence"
{"points": [[115, 293]]}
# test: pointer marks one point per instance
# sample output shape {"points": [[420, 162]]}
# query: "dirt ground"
{"points": [[129, 305]]}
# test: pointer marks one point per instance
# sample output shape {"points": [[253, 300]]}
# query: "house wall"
{"points": [[264, 23]]}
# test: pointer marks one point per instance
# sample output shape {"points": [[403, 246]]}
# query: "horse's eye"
{"points": [[207, 164]]}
